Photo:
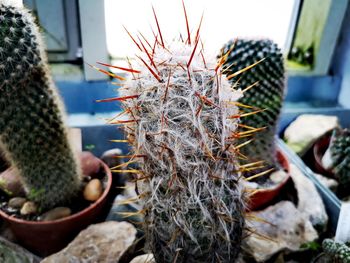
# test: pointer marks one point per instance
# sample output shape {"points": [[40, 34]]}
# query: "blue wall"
{"points": [[327, 91], [80, 97], [341, 64]]}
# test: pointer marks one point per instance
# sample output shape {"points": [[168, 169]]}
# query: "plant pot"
{"points": [[263, 197], [45, 238]]}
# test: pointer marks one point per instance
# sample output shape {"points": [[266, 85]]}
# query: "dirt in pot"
{"points": [[19, 207]]}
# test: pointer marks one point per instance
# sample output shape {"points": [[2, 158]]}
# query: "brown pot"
{"points": [[262, 197], [45, 238]]}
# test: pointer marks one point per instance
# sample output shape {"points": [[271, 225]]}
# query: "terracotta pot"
{"points": [[262, 197], [45, 238], [319, 149]]}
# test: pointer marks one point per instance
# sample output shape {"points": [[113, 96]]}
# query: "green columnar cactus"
{"points": [[182, 121], [339, 252], [340, 156], [32, 134], [268, 93]]}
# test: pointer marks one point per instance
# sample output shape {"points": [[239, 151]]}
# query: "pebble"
{"points": [[17, 202], [56, 213], [29, 208], [90, 164], [93, 190], [146, 258], [11, 182]]}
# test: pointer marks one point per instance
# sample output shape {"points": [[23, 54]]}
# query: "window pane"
{"points": [[223, 20]]}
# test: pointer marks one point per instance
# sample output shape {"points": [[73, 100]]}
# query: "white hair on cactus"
{"points": [[181, 120], [14, 3], [179, 55]]}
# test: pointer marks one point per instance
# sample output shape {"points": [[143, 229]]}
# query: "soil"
{"points": [[76, 205]]}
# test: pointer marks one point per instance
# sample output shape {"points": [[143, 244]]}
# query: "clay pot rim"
{"points": [[263, 196], [73, 216], [283, 160]]}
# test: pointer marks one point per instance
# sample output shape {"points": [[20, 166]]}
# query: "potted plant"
{"points": [[333, 252], [34, 142], [184, 121], [331, 154], [263, 88], [180, 125]]}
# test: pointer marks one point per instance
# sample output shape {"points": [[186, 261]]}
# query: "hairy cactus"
{"points": [[339, 252], [32, 135], [340, 156], [182, 120], [265, 85]]}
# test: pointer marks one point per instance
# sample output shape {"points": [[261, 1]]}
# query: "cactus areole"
{"points": [[181, 118], [32, 135]]}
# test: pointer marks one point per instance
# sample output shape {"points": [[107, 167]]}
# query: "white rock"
{"points": [[303, 132], [12, 253], [147, 258], [327, 161], [330, 183], [310, 203], [105, 242], [279, 227], [278, 176]]}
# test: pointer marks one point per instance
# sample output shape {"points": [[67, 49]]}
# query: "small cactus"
{"points": [[265, 85], [340, 156], [338, 252], [32, 135], [182, 121]]}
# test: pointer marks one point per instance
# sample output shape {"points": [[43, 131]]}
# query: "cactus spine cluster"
{"points": [[32, 135], [339, 252], [182, 121], [265, 85], [340, 156]]}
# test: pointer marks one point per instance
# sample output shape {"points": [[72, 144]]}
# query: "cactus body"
{"points": [[32, 134], [340, 155], [268, 94], [339, 252], [181, 124]]}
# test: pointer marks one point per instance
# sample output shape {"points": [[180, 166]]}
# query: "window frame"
{"points": [[328, 41]]}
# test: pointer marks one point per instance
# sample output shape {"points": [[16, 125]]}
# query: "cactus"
{"points": [[182, 121], [32, 135], [339, 252], [340, 156], [265, 90]]}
